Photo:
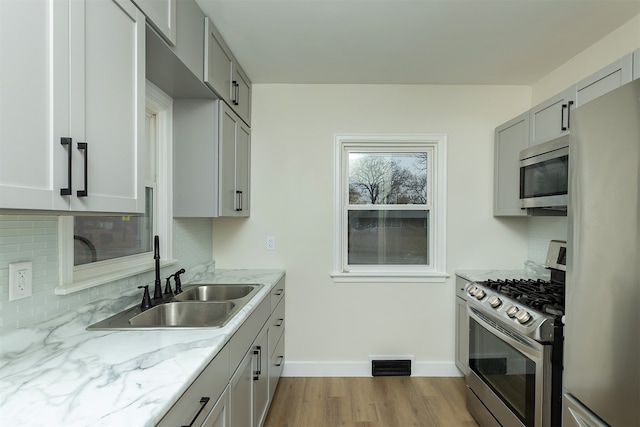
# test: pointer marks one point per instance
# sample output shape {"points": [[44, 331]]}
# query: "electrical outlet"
{"points": [[271, 243], [20, 280]]}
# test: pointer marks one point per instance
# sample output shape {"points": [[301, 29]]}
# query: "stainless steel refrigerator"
{"points": [[601, 378]]}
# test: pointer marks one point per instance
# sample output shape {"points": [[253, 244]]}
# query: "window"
{"points": [[99, 249], [390, 206]]}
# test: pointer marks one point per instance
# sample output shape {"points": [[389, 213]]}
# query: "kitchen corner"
{"points": [[58, 373]]}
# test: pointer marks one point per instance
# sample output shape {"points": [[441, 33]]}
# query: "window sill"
{"points": [[111, 276], [375, 277]]}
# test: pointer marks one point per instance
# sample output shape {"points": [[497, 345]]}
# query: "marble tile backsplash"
{"points": [[35, 238]]}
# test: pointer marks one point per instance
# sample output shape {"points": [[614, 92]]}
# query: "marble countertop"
{"points": [[59, 374], [530, 271]]}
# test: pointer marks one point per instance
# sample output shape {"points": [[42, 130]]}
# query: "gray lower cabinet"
{"points": [[241, 393], [462, 327], [219, 415], [196, 403], [510, 138], [605, 80], [261, 378], [236, 388]]}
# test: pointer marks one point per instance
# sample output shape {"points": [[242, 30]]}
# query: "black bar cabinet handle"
{"points": [[569, 104], [203, 403], [258, 352], [236, 89], [67, 191], [238, 200], [84, 146], [563, 127], [279, 322]]}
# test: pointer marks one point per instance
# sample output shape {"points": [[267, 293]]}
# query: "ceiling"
{"points": [[505, 42]]}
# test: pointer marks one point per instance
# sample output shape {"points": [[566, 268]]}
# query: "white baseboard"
{"points": [[363, 369]]}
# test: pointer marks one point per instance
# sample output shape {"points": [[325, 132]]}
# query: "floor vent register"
{"points": [[391, 368]]}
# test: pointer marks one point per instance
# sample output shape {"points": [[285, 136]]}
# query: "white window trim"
{"points": [[73, 279], [436, 272]]}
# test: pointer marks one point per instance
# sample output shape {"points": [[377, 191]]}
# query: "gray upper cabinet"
{"points": [[161, 14], [636, 64], [211, 160], [605, 80], [72, 113], [218, 63], [551, 118], [223, 74], [234, 138], [510, 138], [241, 94]]}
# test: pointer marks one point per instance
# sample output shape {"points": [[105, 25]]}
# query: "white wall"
{"points": [[615, 45], [292, 177]]}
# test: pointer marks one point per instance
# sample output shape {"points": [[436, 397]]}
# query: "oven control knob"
{"points": [[472, 290], [495, 302], [512, 311], [523, 316], [480, 294]]}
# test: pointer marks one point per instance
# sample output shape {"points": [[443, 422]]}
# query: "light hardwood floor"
{"points": [[369, 402]]}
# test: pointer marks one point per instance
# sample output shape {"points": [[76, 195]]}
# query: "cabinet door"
{"points": [[551, 118], [241, 96], [261, 377], [240, 394], [218, 63], [511, 138], [107, 75], [243, 168], [219, 415], [276, 366], [162, 16], [234, 157], [605, 80], [34, 108]]}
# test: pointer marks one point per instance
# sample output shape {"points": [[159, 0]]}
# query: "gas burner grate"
{"points": [[541, 295]]}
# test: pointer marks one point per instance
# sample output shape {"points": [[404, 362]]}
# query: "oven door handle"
{"points": [[535, 354]]}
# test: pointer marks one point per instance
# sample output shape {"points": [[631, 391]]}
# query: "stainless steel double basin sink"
{"points": [[198, 306]]}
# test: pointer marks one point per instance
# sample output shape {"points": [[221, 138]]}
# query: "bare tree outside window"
{"points": [[388, 178], [388, 236]]}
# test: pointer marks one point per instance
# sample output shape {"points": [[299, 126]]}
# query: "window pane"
{"points": [[107, 237], [379, 237], [388, 178]]}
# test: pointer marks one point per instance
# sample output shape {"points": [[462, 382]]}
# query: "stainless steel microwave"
{"points": [[544, 175]]}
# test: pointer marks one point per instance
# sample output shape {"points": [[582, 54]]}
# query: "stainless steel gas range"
{"points": [[515, 347]]}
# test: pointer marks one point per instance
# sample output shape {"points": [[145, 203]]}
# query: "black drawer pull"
{"points": [[203, 403], [279, 292], [279, 322], [280, 360]]}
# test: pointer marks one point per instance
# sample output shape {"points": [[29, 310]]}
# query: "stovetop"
{"points": [[544, 296]]}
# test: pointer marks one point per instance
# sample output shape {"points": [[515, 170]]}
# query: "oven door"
{"points": [[507, 373]]}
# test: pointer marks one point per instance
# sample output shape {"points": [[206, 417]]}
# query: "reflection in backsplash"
{"points": [[540, 230], [35, 238]]}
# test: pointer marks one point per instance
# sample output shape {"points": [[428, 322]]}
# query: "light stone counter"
{"points": [[59, 374], [531, 271]]}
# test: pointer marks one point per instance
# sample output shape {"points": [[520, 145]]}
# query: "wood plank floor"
{"points": [[369, 402]]}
